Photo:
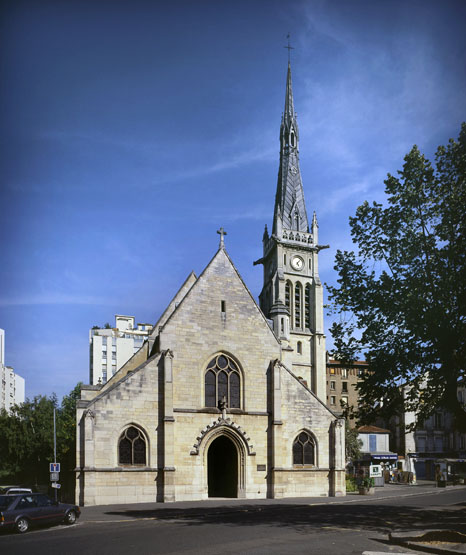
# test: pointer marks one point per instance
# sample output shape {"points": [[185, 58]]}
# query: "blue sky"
{"points": [[131, 131]]}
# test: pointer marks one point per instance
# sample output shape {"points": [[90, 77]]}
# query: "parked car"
{"points": [[14, 490], [20, 512], [17, 491]]}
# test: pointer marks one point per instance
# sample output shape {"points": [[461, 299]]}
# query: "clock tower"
{"points": [[292, 295]]}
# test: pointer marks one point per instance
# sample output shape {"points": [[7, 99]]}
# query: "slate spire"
{"points": [[290, 208]]}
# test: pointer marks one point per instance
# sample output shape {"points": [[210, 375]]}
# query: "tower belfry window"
{"points": [[292, 138], [297, 305], [288, 295], [307, 306]]}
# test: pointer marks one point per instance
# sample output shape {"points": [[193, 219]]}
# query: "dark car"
{"points": [[14, 490], [34, 509]]}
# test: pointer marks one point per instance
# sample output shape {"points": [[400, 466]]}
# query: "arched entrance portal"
{"points": [[222, 468]]}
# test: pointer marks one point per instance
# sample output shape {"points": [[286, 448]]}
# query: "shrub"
{"points": [[351, 484]]}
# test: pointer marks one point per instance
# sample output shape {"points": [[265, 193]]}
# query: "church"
{"points": [[225, 399]]}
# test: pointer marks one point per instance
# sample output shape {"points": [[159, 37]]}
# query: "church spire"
{"points": [[289, 103], [290, 208]]}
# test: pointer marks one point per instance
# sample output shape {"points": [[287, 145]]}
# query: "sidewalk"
{"points": [[443, 542], [218, 506]]}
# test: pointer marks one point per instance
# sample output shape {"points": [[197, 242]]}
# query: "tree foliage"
{"points": [[26, 438], [352, 443], [404, 288]]}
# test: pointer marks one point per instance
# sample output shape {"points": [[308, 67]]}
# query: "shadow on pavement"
{"points": [[374, 517]]}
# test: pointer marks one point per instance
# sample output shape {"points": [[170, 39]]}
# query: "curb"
{"points": [[421, 540]]}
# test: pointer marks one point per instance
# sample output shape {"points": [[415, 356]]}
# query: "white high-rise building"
{"points": [[111, 348], [13, 386]]}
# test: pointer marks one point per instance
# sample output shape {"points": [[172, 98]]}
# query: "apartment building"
{"points": [[12, 385], [110, 348], [341, 384]]}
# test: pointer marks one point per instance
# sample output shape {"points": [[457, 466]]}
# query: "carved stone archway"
{"points": [[241, 442]]}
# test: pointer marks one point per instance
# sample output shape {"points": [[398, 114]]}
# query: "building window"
{"points": [[332, 370], [332, 400], [344, 387], [288, 298], [132, 447], [303, 450], [332, 386], [300, 348], [344, 400], [222, 380], [437, 420], [344, 373], [372, 442], [307, 306], [438, 444], [421, 444], [298, 294]]}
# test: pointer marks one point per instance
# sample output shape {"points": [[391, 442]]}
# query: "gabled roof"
{"points": [[111, 385], [221, 252], [173, 304], [304, 384]]}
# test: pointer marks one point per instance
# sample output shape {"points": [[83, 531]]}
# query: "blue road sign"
{"points": [[55, 467]]}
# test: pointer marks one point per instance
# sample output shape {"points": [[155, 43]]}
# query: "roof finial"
{"points": [[222, 232], [289, 47]]}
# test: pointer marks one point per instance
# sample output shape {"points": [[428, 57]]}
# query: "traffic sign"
{"points": [[375, 471], [54, 476], [54, 467], [56, 485]]}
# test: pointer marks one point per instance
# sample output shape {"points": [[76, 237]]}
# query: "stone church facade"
{"points": [[224, 399]]}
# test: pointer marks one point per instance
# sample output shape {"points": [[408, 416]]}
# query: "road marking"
{"points": [[135, 519]]}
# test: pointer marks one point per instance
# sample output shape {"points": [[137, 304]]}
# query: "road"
{"points": [[346, 526]]}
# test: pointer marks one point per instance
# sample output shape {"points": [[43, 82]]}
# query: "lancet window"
{"points": [[222, 381], [298, 294], [288, 296], [132, 447], [307, 306], [304, 450]]}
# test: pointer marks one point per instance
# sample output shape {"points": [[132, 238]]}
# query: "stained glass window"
{"points": [[304, 450], [132, 447], [222, 380]]}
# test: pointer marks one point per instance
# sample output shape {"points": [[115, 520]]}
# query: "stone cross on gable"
{"points": [[222, 232]]}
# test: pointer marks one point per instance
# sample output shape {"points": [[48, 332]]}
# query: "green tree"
{"points": [[352, 443], [402, 294], [26, 439]]}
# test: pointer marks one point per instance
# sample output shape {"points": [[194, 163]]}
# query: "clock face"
{"points": [[297, 263]]}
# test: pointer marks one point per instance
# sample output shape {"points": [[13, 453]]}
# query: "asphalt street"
{"points": [[324, 526]]}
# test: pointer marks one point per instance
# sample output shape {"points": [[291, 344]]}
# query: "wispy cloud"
{"points": [[51, 298]]}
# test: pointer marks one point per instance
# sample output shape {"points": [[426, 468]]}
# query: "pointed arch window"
{"points": [[307, 306], [132, 447], [222, 380], [304, 450], [298, 295], [288, 297]]}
